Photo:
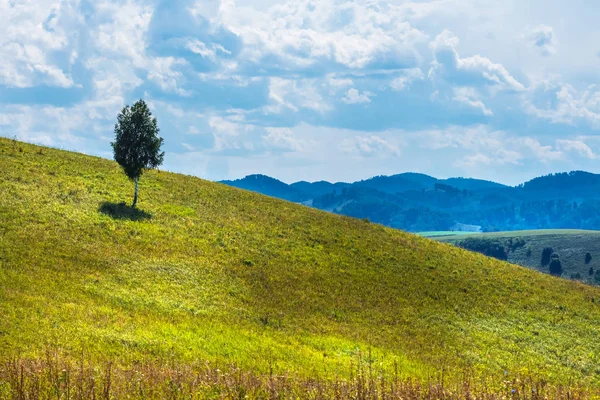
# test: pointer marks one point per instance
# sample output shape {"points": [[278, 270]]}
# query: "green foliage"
{"points": [[591, 271], [489, 247], [177, 287], [588, 258], [546, 256], [555, 265], [492, 247], [137, 145], [529, 251]]}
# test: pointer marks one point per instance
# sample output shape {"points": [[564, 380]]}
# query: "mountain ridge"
{"points": [[418, 202]]}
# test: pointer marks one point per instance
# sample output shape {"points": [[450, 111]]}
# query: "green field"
{"points": [[570, 244], [443, 234], [202, 272]]}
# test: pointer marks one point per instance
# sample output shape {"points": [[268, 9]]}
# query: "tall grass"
{"points": [[58, 377]]}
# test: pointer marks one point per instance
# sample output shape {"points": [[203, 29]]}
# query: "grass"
{"points": [[202, 272], [436, 234], [570, 244]]}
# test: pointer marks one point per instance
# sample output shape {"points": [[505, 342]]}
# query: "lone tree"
{"points": [[137, 144]]}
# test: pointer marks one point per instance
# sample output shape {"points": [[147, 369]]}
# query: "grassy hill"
{"points": [[571, 245], [204, 271]]}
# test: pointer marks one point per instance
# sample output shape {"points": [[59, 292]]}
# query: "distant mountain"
{"points": [[419, 202], [472, 184], [270, 187], [575, 184], [398, 183], [319, 188]]}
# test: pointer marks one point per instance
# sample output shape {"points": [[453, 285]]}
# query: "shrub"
{"points": [[529, 251], [555, 265], [489, 247], [588, 258], [546, 254], [514, 243], [591, 271]]}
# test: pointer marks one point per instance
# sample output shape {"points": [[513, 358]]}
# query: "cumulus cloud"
{"points": [[329, 34], [475, 70], [543, 153], [295, 95], [576, 146], [543, 38], [353, 96], [470, 97], [32, 35], [406, 78], [227, 133], [560, 102], [498, 147], [282, 139], [370, 146]]}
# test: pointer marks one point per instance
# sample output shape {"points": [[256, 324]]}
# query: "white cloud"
{"points": [[353, 96], [499, 147], [541, 152], [404, 81], [560, 102], [370, 146], [305, 34], [31, 32], [576, 146], [282, 139], [339, 83], [470, 97], [227, 134], [162, 71], [500, 157], [294, 95], [473, 161], [543, 38], [467, 71], [188, 146]]}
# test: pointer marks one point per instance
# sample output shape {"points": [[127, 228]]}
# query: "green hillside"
{"points": [[203, 271], [571, 245]]}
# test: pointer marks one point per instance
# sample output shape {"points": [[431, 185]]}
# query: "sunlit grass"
{"points": [[203, 271]]}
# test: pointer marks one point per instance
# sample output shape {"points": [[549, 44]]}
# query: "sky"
{"points": [[313, 90]]}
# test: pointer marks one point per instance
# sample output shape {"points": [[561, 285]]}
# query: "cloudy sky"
{"points": [[309, 90]]}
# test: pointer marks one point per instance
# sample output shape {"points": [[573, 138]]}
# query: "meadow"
{"points": [[203, 282], [571, 245]]}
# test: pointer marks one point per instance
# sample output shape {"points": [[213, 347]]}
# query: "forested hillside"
{"points": [[417, 202]]}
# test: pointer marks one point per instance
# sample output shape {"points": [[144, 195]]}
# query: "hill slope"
{"points": [[206, 271], [570, 245]]}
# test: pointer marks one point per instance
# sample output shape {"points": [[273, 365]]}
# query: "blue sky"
{"points": [[310, 90]]}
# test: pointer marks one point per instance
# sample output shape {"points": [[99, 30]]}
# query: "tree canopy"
{"points": [[137, 145]]}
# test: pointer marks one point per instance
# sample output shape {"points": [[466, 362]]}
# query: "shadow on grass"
{"points": [[123, 211]]}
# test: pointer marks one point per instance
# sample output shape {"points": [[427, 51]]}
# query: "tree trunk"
{"points": [[135, 193]]}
